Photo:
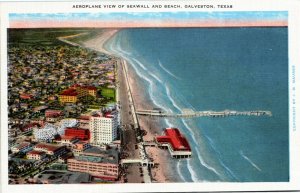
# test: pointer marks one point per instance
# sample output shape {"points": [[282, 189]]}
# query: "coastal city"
{"points": [[72, 117]]}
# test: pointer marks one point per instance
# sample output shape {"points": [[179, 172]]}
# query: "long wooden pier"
{"points": [[191, 113]]}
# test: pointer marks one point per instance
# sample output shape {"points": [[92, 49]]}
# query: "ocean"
{"points": [[217, 69]]}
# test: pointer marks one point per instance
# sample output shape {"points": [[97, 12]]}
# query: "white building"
{"points": [[49, 131], [103, 128]]}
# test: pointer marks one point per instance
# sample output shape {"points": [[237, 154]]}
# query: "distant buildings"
{"points": [[103, 127], [97, 162], [76, 91]]}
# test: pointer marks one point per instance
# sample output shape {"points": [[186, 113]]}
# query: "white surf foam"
{"points": [[133, 62], [250, 161], [167, 71], [192, 172], [171, 98], [178, 170], [200, 158], [212, 144], [140, 64]]}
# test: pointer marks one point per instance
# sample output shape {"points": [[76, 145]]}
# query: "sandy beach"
{"points": [[97, 43], [160, 173]]}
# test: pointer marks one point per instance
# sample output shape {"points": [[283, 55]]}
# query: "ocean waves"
{"points": [[175, 80], [160, 92]]}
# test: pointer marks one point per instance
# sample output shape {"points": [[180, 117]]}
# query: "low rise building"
{"points": [[68, 141], [22, 147], [53, 115], [99, 163], [50, 149], [61, 177], [80, 147], [36, 155]]}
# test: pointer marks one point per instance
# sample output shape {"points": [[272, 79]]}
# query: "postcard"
{"points": [[143, 96]]}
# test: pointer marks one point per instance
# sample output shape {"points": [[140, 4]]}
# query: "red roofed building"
{"points": [[26, 96], [29, 127], [53, 115], [176, 143], [50, 149], [68, 140], [68, 96], [52, 112], [71, 94], [82, 134]]}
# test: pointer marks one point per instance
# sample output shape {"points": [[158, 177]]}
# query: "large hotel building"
{"points": [[103, 128], [76, 91]]}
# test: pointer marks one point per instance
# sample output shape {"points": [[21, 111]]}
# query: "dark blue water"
{"points": [[217, 69]]}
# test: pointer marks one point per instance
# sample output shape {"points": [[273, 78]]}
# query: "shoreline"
{"points": [[160, 173]]}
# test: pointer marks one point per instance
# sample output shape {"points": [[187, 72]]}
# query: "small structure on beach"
{"points": [[176, 143]]}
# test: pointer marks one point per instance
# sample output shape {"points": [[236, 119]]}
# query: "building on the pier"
{"points": [[176, 143], [100, 163], [103, 127]]}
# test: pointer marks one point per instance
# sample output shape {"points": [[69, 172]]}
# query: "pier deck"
{"points": [[190, 113]]}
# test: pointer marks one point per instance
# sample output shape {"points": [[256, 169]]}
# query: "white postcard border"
{"points": [[66, 7]]}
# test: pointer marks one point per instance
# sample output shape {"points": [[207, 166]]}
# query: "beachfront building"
{"points": [[176, 143], [97, 162], [76, 91], [103, 127]]}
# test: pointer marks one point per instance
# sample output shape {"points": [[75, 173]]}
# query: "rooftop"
{"points": [[95, 154], [62, 177], [36, 152], [22, 145], [175, 138], [69, 92], [49, 147]]}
